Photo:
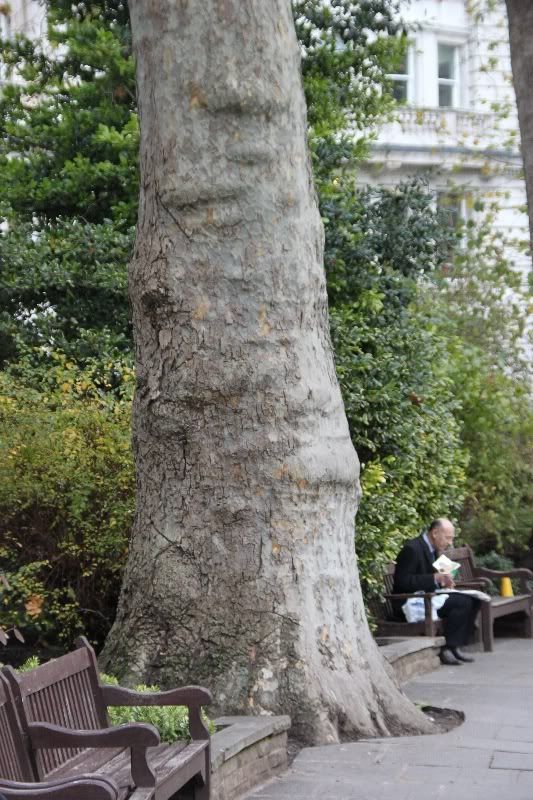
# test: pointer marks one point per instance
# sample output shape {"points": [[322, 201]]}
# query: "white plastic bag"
{"points": [[413, 608]]}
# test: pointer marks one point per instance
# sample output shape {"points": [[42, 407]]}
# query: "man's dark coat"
{"points": [[414, 570]]}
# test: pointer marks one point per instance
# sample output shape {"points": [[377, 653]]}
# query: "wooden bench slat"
{"points": [[170, 761], [67, 693]]}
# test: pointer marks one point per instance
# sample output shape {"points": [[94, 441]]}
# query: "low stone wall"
{"points": [[245, 752], [412, 656]]}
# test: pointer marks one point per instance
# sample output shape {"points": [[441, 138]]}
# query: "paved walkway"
{"points": [[489, 757]]}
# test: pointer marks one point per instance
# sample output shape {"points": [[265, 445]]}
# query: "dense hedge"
{"points": [[66, 500]]}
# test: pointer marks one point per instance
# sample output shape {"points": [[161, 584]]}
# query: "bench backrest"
{"points": [[463, 556], [14, 762], [62, 692], [381, 607]]}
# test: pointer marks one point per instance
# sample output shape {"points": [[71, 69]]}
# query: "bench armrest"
{"points": [[84, 787], [474, 583], [519, 572], [136, 736], [429, 623], [193, 697], [187, 696], [130, 734], [407, 596]]}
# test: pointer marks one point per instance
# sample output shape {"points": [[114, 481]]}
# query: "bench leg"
{"points": [[201, 792], [486, 625], [528, 625]]}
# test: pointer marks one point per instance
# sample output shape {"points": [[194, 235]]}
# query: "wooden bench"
{"points": [[499, 606], [62, 708], [470, 576], [16, 773], [387, 622]]}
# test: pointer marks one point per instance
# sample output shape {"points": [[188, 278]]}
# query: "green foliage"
{"points": [[483, 326], [31, 663], [391, 363], [494, 560], [347, 50], [68, 168], [71, 124], [66, 499], [172, 722], [63, 287], [497, 430]]}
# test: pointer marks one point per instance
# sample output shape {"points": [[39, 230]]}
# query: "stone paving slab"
{"points": [[518, 733], [489, 757], [517, 761]]}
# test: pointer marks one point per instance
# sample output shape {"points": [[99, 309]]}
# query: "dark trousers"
{"points": [[459, 615]]}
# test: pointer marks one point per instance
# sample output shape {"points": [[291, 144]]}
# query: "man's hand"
{"points": [[445, 580]]}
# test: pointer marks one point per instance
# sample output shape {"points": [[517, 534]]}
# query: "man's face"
{"points": [[443, 537]]}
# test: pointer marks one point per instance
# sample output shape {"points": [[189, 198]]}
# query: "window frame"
{"points": [[455, 82], [407, 77], [457, 200]]}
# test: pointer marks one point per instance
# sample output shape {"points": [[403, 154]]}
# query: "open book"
{"points": [[445, 565], [472, 592]]}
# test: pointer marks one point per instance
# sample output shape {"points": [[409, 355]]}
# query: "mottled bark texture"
{"points": [[242, 573], [520, 14]]}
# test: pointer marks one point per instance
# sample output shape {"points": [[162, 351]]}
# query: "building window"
{"points": [[451, 207], [448, 75], [5, 23], [402, 80]]}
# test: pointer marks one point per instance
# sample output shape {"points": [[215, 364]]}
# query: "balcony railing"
{"points": [[439, 127], [454, 122]]}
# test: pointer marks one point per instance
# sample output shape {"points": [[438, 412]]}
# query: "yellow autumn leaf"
{"points": [[34, 605]]}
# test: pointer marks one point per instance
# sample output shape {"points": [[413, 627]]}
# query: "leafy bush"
{"points": [[392, 364], [483, 324], [172, 722], [63, 288], [31, 663], [494, 560], [66, 500]]}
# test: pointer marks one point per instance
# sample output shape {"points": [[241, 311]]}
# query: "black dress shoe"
{"points": [[461, 656], [448, 659]]}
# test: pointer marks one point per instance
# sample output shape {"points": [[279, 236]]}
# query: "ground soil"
{"points": [[446, 719]]}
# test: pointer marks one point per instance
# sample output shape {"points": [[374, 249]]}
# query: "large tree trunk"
{"points": [[520, 14], [242, 572]]}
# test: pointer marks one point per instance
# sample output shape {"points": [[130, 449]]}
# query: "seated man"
{"points": [[414, 572]]}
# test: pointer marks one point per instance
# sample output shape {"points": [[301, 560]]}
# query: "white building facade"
{"points": [[22, 16], [457, 123]]}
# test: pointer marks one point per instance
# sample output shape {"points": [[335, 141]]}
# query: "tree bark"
{"points": [[520, 15], [242, 572]]}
